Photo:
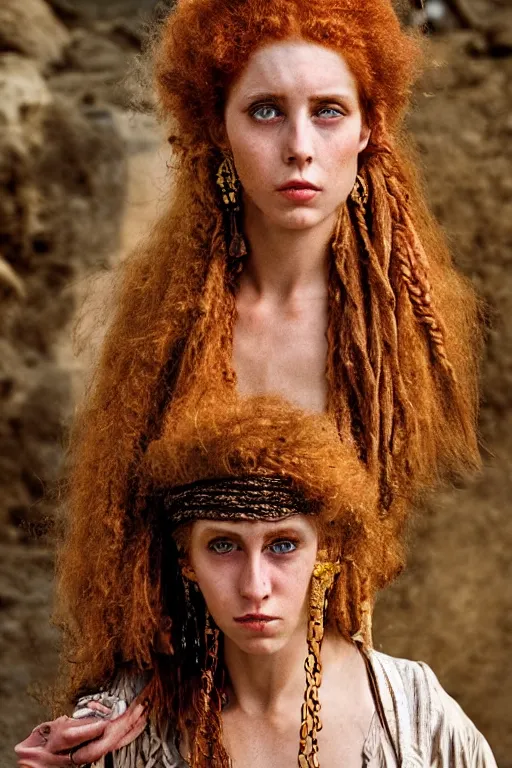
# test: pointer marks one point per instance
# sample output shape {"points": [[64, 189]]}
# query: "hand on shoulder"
{"points": [[93, 731]]}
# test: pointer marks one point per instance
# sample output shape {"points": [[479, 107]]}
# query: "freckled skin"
{"points": [[292, 114]]}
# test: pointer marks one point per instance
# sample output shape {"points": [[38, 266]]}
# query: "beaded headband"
{"points": [[251, 497]]}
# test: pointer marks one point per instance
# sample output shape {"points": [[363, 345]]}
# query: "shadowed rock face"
{"points": [[62, 180], [30, 28], [62, 187], [453, 605]]}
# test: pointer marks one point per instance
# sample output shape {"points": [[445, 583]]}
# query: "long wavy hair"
{"points": [[160, 636], [403, 330], [257, 437]]}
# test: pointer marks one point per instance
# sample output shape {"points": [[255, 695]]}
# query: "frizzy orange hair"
{"points": [[257, 436], [205, 43], [263, 436], [403, 332]]}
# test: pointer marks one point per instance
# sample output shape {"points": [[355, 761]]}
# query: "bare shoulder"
{"points": [[437, 726]]}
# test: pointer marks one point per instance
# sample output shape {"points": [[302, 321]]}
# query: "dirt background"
{"points": [[81, 178]]}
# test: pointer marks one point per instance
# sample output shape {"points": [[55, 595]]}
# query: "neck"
{"points": [[286, 262], [273, 684], [262, 684]]}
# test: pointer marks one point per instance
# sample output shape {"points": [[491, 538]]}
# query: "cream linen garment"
{"points": [[416, 725]]}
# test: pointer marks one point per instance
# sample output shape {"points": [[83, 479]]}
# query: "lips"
{"points": [[251, 618], [258, 623], [298, 184], [299, 191]]}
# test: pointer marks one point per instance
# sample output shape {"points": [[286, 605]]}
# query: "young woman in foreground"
{"points": [[255, 546]]}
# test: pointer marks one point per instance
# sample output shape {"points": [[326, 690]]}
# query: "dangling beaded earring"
{"points": [[190, 628], [229, 184], [209, 703], [359, 194], [324, 574], [212, 659]]}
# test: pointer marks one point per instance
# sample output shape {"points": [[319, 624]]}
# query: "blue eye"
{"points": [[221, 546], [265, 112], [282, 547], [333, 112]]}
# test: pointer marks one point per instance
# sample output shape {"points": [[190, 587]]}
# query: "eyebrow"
{"points": [[282, 532], [268, 95]]}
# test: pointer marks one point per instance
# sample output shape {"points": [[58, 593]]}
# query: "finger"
{"points": [[66, 736], [97, 706], [95, 750], [35, 739], [40, 734], [135, 731], [117, 733], [41, 757]]}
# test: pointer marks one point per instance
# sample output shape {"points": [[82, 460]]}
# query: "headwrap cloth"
{"points": [[250, 497]]}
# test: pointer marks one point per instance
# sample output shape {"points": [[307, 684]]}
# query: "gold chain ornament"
{"points": [[324, 574]]}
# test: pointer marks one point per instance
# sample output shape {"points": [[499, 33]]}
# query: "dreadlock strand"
{"points": [[393, 413], [353, 340], [414, 269], [397, 415], [206, 362]]}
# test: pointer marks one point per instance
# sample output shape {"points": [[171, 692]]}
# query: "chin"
{"points": [[259, 644], [301, 219], [262, 646]]}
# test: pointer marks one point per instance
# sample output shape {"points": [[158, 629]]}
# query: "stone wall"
{"points": [[62, 172], [453, 605]]}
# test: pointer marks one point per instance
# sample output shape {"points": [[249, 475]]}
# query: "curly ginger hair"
{"points": [[403, 329], [256, 437]]}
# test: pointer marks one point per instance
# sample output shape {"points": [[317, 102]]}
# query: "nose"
{"points": [[298, 149], [254, 580]]}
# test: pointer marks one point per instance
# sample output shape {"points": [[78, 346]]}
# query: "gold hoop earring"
{"points": [[230, 187], [360, 193], [322, 580]]}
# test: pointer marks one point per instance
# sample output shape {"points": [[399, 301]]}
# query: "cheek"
{"points": [[217, 587], [252, 159], [253, 149], [293, 583], [345, 151]]}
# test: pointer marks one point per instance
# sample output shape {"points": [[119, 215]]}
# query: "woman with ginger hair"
{"points": [[256, 540], [297, 256]]}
